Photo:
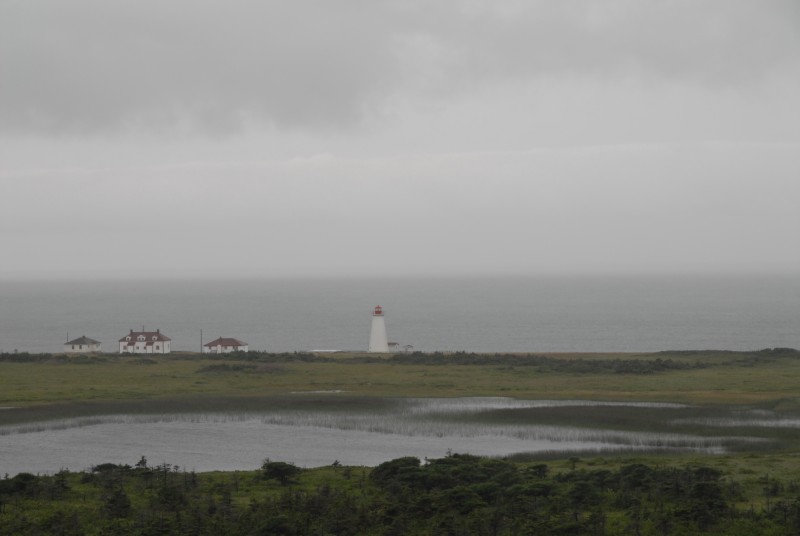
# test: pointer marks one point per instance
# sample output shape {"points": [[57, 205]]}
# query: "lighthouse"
{"points": [[377, 337]]}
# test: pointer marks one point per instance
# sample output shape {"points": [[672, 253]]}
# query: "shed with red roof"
{"points": [[225, 345]]}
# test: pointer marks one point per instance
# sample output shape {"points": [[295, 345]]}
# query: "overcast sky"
{"points": [[366, 137]]}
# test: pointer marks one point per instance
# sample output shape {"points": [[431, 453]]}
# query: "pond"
{"points": [[315, 435]]}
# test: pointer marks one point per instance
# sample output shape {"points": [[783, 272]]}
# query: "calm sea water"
{"points": [[471, 314]]}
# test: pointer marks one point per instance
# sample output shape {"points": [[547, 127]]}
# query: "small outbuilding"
{"points": [[225, 345], [82, 345]]}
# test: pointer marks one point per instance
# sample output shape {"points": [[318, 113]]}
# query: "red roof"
{"points": [[225, 341], [149, 336], [83, 340]]}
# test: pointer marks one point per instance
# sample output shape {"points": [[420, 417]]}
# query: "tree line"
{"points": [[455, 495], [659, 362]]}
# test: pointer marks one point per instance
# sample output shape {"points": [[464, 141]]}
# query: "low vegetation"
{"points": [[709, 377], [750, 490], [457, 494]]}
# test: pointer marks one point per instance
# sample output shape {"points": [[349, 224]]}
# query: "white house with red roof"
{"points": [[225, 345], [82, 345], [144, 342]]}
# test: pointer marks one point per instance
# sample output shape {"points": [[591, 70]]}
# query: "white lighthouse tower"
{"points": [[377, 337]]}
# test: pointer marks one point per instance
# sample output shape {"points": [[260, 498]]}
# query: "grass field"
{"points": [[714, 378], [757, 477], [715, 384]]}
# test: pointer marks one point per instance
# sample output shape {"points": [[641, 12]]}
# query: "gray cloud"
{"points": [[352, 137], [638, 208], [93, 64], [717, 42], [89, 66]]}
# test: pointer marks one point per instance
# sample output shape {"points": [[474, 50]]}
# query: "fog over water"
{"points": [[569, 314]]}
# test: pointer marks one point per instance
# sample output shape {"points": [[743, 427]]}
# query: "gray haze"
{"points": [[306, 138]]}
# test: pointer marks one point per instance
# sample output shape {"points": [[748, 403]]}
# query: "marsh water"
{"points": [[379, 430]]}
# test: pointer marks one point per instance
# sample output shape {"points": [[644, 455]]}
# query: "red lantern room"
{"points": [[378, 311]]}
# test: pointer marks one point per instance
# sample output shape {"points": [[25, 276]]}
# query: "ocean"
{"points": [[513, 314]]}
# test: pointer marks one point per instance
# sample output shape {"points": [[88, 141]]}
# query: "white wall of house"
{"points": [[81, 348], [219, 349], [141, 346]]}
